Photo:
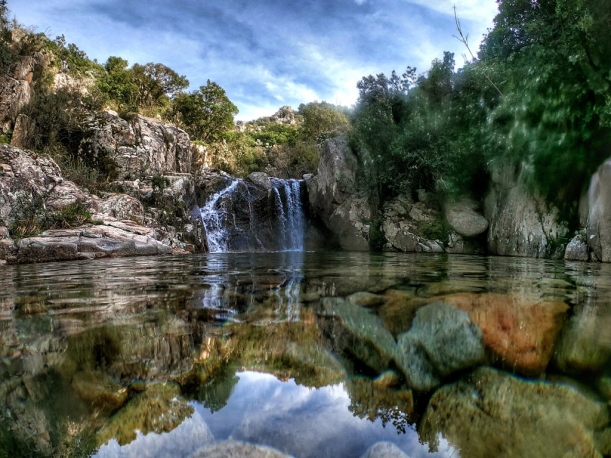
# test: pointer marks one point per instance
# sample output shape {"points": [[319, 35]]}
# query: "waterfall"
{"points": [[248, 217], [214, 217]]}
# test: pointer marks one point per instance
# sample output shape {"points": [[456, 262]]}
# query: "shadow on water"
{"points": [[313, 354]]}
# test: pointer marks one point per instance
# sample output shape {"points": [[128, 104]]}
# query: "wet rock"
{"points": [[497, 414], [577, 249], [158, 409], [521, 224], [520, 332], [585, 343], [442, 340], [260, 179], [355, 330], [384, 450], [334, 196], [237, 449], [464, 219]]}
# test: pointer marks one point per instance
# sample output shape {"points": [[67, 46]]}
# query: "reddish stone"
{"points": [[520, 331]]}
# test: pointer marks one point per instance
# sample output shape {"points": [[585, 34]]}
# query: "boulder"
{"points": [[521, 223], [138, 147], [260, 179], [577, 249], [493, 413], [464, 219], [442, 340], [521, 332], [335, 196]]}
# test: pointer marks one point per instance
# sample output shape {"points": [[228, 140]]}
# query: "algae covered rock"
{"points": [[496, 414], [358, 332]]}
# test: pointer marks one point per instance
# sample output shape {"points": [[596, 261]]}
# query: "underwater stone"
{"points": [[442, 340], [493, 413], [384, 450], [231, 448]]}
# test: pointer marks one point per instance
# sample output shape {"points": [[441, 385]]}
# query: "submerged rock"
{"points": [[585, 343], [237, 449], [358, 332], [384, 450], [520, 332], [496, 414], [442, 340]]}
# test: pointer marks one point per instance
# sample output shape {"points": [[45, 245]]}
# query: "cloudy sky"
{"points": [[265, 53]]}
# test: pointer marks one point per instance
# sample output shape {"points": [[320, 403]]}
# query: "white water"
{"points": [[289, 224]]}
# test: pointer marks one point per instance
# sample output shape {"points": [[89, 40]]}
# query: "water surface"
{"points": [[298, 351]]}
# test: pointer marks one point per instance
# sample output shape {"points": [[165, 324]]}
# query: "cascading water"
{"points": [[248, 217]]}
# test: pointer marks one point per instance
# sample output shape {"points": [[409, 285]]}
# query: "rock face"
{"points": [[442, 340], [520, 332], [138, 147], [335, 198], [28, 180], [24, 174], [402, 223], [496, 414], [599, 213], [521, 224]]}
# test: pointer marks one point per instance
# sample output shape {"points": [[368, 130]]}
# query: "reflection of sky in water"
{"points": [[300, 421]]}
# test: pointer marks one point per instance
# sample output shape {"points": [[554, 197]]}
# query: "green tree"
{"points": [[322, 117], [207, 113]]}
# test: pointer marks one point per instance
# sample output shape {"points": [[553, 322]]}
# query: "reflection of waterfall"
{"points": [[248, 217], [288, 295]]}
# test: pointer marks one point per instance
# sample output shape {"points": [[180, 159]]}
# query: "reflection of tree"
{"points": [[216, 391], [371, 400]]}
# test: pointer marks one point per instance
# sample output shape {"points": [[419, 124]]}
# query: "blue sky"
{"points": [[265, 53]]}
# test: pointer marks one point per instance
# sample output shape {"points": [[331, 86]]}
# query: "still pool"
{"points": [[306, 355]]}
